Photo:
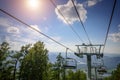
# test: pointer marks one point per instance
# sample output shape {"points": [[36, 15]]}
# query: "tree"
{"points": [[115, 74], [4, 47], [24, 51], [5, 70], [15, 58], [108, 78], [8, 62], [78, 75], [57, 68], [70, 75], [35, 64]]}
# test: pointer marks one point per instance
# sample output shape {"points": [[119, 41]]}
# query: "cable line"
{"points": [[81, 21], [66, 21], [35, 29], [109, 25]]}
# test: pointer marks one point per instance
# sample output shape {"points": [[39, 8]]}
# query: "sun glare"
{"points": [[33, 4]]}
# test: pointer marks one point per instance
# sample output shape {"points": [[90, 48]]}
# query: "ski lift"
{"points": [[101, 70], [69, 63]]}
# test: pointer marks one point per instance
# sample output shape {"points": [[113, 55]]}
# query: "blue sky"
{"points": [[95, 15]]}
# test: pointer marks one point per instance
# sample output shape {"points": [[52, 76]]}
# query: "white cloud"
{"points": [[90, 3], [13, 30], [115, 37], [119, 27], [32, 33], [35, 27], [26, 36], [57, 38], [6, 38], [54, 47], [69, 12], [18, 41], [4, 22], [14, 45], [18, 35]]}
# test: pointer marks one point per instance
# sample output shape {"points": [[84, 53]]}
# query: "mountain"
{"points": [[110, 60]]}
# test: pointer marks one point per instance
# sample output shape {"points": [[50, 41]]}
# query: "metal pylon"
{"points": [[89, 50]]}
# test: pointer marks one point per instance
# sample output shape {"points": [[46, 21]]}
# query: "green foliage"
{"points": [[115, 74], [5, 70], [70, 75], [8, 62], [4, 47], [78, 75], [107, 78], [57, 68], [59, 73], [15, 58], [35, 63]]}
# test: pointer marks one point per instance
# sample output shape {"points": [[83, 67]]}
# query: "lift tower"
{"points": [[89, 50]]}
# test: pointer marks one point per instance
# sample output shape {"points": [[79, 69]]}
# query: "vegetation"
{"points": [[32, 63], [115, 74], [57, 70], [78, 75], [35, 63], [4, 68]]}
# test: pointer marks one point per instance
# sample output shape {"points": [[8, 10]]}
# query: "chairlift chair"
{"points": [[102, 70], [69, 63]]}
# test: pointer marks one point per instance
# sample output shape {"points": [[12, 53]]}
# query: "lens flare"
{"points": [[33, 4]]}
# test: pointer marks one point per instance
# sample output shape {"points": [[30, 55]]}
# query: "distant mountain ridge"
{"points": [[110, 60]]}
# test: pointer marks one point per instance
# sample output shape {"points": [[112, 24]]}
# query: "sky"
{"points": [[45, 17]]}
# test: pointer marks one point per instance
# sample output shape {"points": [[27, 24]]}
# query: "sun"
{"points": [[33, 4]]}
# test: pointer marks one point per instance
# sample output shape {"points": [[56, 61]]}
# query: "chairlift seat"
{"points": [[69, 67], [102, 69], [69, 63]]}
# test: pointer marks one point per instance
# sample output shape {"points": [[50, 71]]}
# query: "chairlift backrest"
{"points": [[69, 63], [102, 70]]}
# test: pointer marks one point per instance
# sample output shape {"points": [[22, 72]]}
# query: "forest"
{"points": [[32, 63]]}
